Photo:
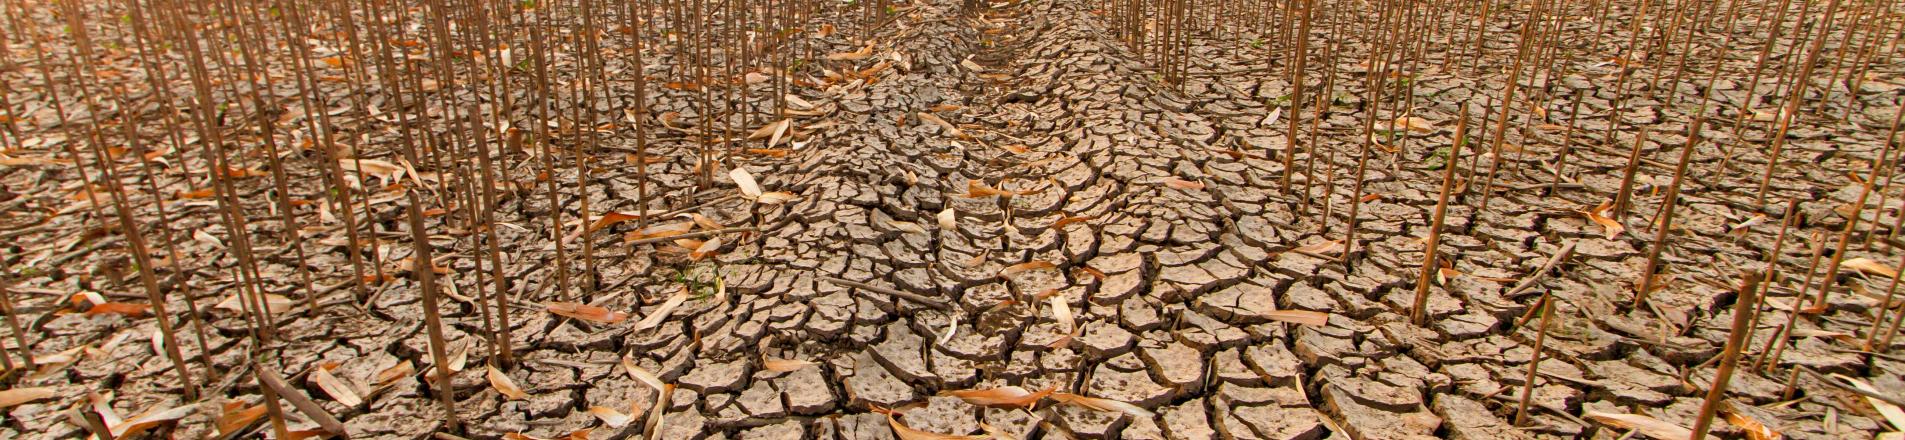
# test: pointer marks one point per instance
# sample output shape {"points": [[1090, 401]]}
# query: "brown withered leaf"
{"points": [[335, 387], [16, 396], [1002, 397], [1642, 424], [505, 385], [132, 310], [236, 417], [861, 54], [778, 365], [614, 418], [948, 127], [1304, 317], [1183, 184], [1870, 267], [1598, 216], [586, 312], [976, 189], [1102, 405], [1063, 222], [653, 319]]}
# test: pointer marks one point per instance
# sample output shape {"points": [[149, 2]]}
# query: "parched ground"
{"points": [[1076, 223]]}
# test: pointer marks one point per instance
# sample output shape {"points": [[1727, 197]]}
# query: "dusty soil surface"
{"points": [[1076, 223]]}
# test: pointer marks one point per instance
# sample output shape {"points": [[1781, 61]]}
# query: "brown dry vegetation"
{"points": [[1140, 219]]}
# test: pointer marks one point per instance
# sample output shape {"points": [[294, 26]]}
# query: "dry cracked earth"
{"points": [[1112, 236]]}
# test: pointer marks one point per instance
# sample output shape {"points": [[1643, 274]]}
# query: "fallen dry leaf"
{"points": [[394, 373], [662, 312], [641, 374], [1183, 184], [776, 198], [1892, 413], [335, 387], [948, 127], [506, 386], [1062, 312], [149, 420], [236, 417], [861, 54], [706, 249], [976, 189], [16, 396], [1598, 216], [1067, 221], [1103, 405], [1304, 317], [1870, 267], [1326, 247], [613, 418], [785, 365], [1753, 428], [948, 219], [586, 312], [745, 181], [1644, 425], [1002, 397], [128, 309]]}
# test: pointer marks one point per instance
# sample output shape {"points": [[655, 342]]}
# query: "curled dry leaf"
{"points": [[12, 397], [1598, 216], [1103, 405], [586, 312], [778, 365], [745, 181], [1062, 312], [1871, 267], [948, 219], [506, 386], [1026, 266], [1002, 397], [1183, 184], [1644, 425]]}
